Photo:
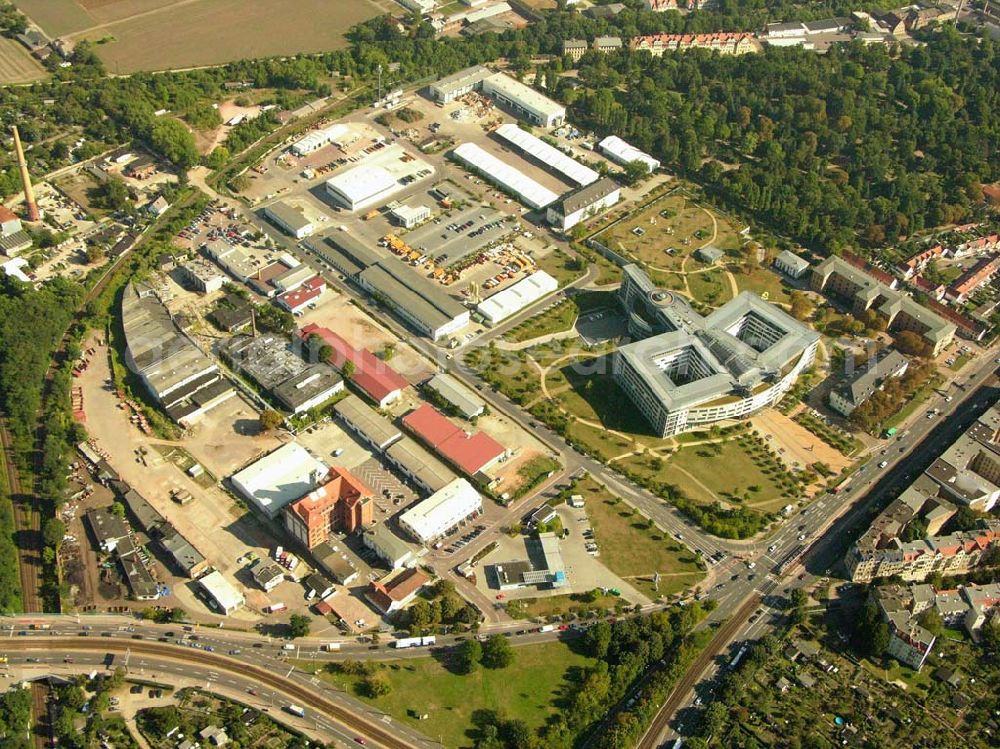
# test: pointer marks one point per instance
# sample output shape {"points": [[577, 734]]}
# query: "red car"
{"points": [[361, 741]]}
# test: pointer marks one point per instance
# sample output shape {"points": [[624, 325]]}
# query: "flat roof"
{"points": [[345, 252], [441, 510], [363, 182], [375, 427], [288, 216], [549, 156], [458, 395], [388, 542], [219, 588], [420, 463], [280, 477], [533, 194], [311, 382], [463, 78]]}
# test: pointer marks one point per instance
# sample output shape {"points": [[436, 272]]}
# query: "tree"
{"points": [[347, 370], [376, 685], [53, 532], [635, 171], [930, 619], [469, 655], [94, 253], [801, 307], [112, 194], [270, 419], [910, 343], [497, 652], [298, 625], [172, 139]]}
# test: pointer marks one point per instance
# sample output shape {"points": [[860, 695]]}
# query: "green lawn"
{"points": [[960, 361], [917, 401], [528, 690], [561, 316], [760, 281], [560, 266], [710, 287], [575, 603], [730, 472], [633, 549]]}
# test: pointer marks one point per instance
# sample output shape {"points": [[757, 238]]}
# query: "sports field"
{"points": [[17, 65], [160, 34]]}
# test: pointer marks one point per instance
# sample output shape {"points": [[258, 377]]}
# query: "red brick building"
{"points": [[342, 502]]}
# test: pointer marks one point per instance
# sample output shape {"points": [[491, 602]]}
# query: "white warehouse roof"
{"points": [[318, 138], [547, 155], [222, 591], [442, 510], [530, 192], [514, 298], [363, 184], [287, 474], [625, 153]]}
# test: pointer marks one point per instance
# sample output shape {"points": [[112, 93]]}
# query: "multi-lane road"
{"points": [[818, 537]]}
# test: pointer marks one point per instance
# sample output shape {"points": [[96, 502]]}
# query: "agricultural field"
{"points": [[158, 34], [17, 65]]}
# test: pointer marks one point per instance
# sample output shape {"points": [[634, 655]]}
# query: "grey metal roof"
{"points": [[418, 297], [306, 385], [584, 196], [287, 216], [462, 398], [421, 464], [867, 378]]}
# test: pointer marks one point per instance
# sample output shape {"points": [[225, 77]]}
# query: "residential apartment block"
{"points": [[865, 288], [723, 42]]}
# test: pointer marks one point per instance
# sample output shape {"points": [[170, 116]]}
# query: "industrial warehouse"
{"points": [[182, 378], [381, 175], [690, 371], [437, 515], [522, 100], [424, 305]]}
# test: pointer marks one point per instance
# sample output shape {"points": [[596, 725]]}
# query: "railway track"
{"points": [[27, 524], [41, 729], [299, 694], [676, 698]]}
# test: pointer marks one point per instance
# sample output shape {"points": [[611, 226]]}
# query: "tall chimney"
{"points": [[29, 195]]}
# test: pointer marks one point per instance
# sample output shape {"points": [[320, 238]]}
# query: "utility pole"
{"points": [[379, 99]]}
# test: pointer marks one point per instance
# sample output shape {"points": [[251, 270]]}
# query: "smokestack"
{"points": [[29, 195]]}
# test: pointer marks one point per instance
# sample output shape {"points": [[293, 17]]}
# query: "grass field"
{"points": [[673, 222], [633, 549], [160, 34], [17, 65], [529, 689], [763, 280], [741, 473]]}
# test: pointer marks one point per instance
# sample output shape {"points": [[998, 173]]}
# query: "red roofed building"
{"points": [[342, 501], [973, 278], [295, 300], [380, 382], [723, 42], [469, 452], [919, 261], [934, 290], [388, 595]]}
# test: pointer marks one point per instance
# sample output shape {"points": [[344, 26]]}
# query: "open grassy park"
{"points": [[573, 391], [530, 689], [663, 234]]}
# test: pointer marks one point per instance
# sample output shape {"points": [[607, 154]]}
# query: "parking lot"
{"points": [[466, 233]]}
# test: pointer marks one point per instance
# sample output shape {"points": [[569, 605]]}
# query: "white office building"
{"points": [[410, 216], [442, 511]]}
